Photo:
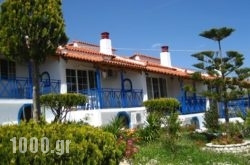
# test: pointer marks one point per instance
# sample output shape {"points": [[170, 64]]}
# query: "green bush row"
{"points": [[162, 105], [88, 145]]}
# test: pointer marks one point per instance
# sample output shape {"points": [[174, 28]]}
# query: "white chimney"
{"points": [[105, 43], [75, 44], [165, 57]]}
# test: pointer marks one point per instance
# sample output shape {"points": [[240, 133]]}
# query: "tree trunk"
{"points": [[36, 90]]}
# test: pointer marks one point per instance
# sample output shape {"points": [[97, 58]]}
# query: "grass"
{"points": [[188, 151]]}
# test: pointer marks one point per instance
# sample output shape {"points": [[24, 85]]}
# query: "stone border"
{"points": [[230, 148]]}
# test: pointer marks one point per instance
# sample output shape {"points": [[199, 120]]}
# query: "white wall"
{"points": [[10, 108], [52, 67], [138, 80], [111, 82]]}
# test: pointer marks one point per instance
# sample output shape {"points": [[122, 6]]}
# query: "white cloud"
{"points": [[156, 45]]}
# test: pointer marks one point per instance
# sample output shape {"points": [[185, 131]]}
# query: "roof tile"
{"points": [[94, 56]]}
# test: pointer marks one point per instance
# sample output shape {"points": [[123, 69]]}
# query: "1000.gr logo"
{"points": [[61, 146]]}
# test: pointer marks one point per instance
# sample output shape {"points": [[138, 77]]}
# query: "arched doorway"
{"points": [[125, 119], [25, 113]]}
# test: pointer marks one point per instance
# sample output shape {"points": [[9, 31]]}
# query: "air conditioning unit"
{"points": [[137, 119]]}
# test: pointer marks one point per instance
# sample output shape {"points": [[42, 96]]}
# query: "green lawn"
{"points": [[187, 151]]}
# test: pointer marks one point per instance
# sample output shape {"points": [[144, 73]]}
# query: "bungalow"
{"points": [[115, 85]]}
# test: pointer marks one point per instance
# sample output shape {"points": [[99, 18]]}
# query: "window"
{"points": [[163, 87], [92, 80], [78, 80], [82, 79], [71, 80], [155, 83], [8, 69], [156, 87], [149, 88]]}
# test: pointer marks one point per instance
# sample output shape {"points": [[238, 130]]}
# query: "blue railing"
{"points": [[113, 98], [190, 104], [197, 104], [52, 86], [21, 88], [236, 107]]}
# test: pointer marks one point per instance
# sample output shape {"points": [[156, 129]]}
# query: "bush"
{"points": [[88, 145], [125, 137], [130, 139], [173, 130], [114, 127], [246, 130], [61, 104], [152, 130], [211, 118], [162, 105], [231, 134]]}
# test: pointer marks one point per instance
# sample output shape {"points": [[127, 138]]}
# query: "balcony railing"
{"points": [[113, 98], [190, 105], [236, 107], [197, 104], [21, 88]]}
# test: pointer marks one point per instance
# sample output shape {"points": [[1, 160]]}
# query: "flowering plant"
{"points": [[128, 136]]}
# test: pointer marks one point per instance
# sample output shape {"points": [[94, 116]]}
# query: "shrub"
{"points": [[247, 118], [88, 145], [211, 119], [246, 130], [231, 134], [162, 105], [173, 130], [61, 104], [152, 130], [130, 139], [125, 137], [114, 127]]}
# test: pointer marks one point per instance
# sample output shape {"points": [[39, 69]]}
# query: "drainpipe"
{"points": [[98, 83], [183, 97]]}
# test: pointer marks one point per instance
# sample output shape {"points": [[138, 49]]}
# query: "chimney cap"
{"points": [[105, 35], [164, 48]]}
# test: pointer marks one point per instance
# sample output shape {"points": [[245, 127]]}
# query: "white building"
{"points": [[115, 85]]}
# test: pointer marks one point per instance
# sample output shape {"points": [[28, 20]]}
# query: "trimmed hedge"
{"points": [[61, 104], [88, 145], [162, 105]]}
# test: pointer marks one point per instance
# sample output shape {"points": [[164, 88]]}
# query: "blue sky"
{"points": [[145, 25]]}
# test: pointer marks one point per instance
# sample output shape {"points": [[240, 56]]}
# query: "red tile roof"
{"points": [[144, 57], [94, 56]]}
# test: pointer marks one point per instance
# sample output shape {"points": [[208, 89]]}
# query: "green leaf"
{"points": [[217, 34]]}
